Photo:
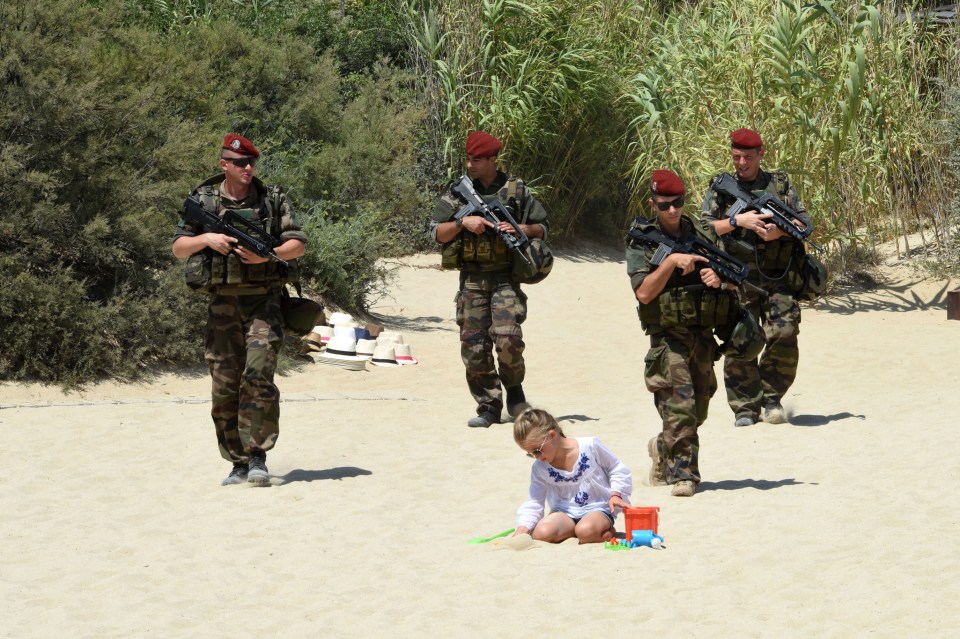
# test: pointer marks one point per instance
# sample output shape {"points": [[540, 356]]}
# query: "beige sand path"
{"points": [[843, 524]]}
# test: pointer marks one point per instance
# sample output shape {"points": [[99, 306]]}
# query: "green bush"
{"points": [[94, 141], [106, 125]]}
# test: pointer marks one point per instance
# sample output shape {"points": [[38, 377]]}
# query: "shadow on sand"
{"points": [[810, 421], [342, 472], [845, 300], [576, 418], [739, 484]]}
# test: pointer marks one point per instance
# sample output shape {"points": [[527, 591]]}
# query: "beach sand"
{"points": [[838, 524]]}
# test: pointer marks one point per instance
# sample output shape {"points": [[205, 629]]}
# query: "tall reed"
{"points": [[590, 97]]}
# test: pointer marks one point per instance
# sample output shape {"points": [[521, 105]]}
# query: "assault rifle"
{"points": [[493, 211], [726, 266], [248, 235], [783, 217]]}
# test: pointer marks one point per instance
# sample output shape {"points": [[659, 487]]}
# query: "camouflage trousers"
{"points": [[678, 370], [753, 384], [242, 340], [490, 310]]}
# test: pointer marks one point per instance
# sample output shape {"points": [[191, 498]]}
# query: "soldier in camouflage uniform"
{"points": [[680, 306], [490, 305], [243, 333], [755, 388]]}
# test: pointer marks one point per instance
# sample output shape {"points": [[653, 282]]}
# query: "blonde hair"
{"points": [[534, 423]]}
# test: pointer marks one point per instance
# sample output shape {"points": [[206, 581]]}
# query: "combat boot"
{"points": [[237, 476], [744, 420], [656, 476], [257, 471], [483, 420], [684, 488], [774, 414], [516, 401]]}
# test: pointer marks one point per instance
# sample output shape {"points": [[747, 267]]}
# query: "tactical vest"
{"points": [[227, 274], [777, 261], [685, 302], [487, 252]]}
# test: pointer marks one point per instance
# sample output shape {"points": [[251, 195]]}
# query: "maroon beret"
{"points": [[240, 144], [482, 145], [665, 182], [745, 139]]}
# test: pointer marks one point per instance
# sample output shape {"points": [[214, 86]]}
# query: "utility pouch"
{"points": [[451, 254], [678, 307], [708, 310], [469, 253], [715, 309], [197, 271], [740, 249]]}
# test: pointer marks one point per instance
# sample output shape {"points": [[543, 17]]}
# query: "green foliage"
{"points": [[542, 77], [951, 139], [340, 255], [593, 96], [94, 150], [105, 126], [112, 110], [359, 32]]}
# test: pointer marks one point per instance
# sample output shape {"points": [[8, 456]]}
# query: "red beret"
{"points": [[240, 144], [482, 145], [745, 139], [664, 182]]}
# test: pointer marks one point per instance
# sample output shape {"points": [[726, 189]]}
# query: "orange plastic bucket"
{"points": [[641, 518]]}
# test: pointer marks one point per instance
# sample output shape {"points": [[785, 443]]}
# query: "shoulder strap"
{"points": [[274, 207], [517, 191], [210, 198], [782, 182]]}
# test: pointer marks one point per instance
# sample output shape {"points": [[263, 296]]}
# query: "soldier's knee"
{"points": [[781, 331], [507, 329], [470, 337]]}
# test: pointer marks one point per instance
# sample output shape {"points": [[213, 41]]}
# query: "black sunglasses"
{"points": [[665, 206], [241, 162]]}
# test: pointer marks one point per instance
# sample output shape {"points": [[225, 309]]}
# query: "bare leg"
{"points": [[554, 528], [594, 528]]}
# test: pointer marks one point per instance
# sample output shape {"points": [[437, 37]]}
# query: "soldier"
{"points": [[755, 388], [679, 308], [490, 305], [243, 332]]}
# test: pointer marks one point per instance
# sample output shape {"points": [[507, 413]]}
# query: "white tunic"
{"points": [[580, 491]]}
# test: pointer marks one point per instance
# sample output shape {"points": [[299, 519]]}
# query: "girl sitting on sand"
{"points": [[584, 482]]}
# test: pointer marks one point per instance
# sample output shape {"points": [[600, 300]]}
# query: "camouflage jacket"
{"points": [[526, 209], [229, 275], [772, 264]]}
